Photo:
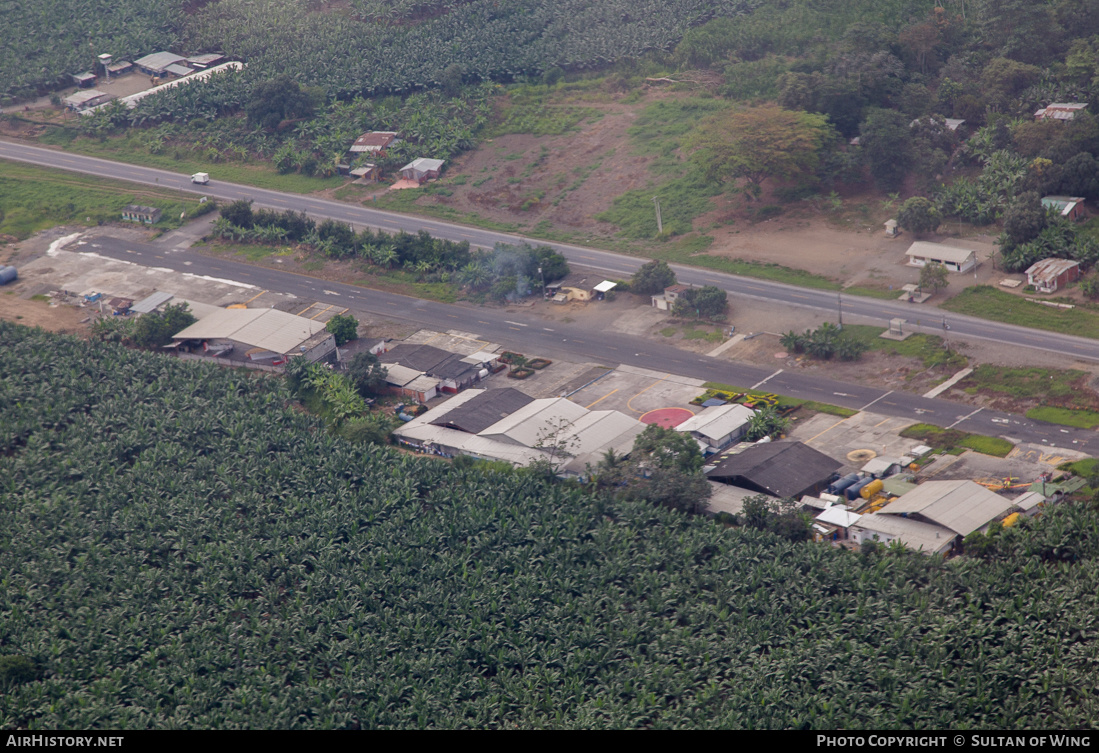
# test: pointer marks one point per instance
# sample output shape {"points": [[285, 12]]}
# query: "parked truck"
{"points": [[201, 178]]}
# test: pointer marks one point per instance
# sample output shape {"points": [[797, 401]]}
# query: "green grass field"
{"points": [[986, 302], [37, 198], [1053, 385], [929, 349], [1081, 419], [949, 440]]}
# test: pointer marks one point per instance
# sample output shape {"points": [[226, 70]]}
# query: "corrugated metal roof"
{"points": [[605, 286], [719, 421], [926, 249], [531, 422], [270, 329], [374, 141], [179, 70], [145, 305], [158, 61], [961, 506], [838, 515], [424, 164], [400, 376], [483, 410], [599, 430], [914, 534], [80, 97], [1050, 269]]}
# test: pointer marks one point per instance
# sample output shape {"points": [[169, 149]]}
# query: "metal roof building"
{"points": [[531, 422], [959, 506], [514, 437], [145, 305], [483, 410], [1067, 206], [86, 98], [1060, 110], [421, 169], [1048, 275], [132, 100], [954, 258], [158, 62], [374, 142], [717, 427], [270, 329], [914, 534], [781, 469]]}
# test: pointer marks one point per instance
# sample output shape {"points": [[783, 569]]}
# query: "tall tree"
{"points": [[652, 277], [367, 373], [758, 143], [344, 328], [884, 138], [918, 215], [707, 302]]}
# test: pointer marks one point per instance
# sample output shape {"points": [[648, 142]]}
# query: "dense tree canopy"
{"points": [[652, 277], [884, 138], [367, 373], [758, 143], [344, 327], [918, 215], [706, 302]]}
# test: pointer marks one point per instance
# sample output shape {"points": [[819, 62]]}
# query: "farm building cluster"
{"points": [[165, 70]]}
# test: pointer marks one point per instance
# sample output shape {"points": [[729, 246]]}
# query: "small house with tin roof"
{"points": [[1049, 275], [1060, 111], [1069, 207], [422, 170], [374, 143], [139, 213]]}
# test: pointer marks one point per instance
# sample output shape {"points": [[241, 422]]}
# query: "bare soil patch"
{"points": [[65, 320]]}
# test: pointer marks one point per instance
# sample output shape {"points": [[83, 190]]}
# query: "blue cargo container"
{"points": [[852, 492], [842, 483]]}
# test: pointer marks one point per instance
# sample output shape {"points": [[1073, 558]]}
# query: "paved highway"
{"points": [[523, 331], [614, 265]]}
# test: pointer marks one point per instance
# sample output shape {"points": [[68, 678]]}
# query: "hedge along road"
{"points": [[870, 310]]}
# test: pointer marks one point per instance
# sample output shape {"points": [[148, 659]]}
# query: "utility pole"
{"points": [[839, 304], [659, 222], [543, 276]]}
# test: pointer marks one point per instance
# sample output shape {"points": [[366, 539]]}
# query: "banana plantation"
{"points": [[181, 549]]}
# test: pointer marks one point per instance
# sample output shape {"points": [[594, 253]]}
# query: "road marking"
{"points": [[452, 316], [795, 295], [630, 401], [480, 322], [257, 295], [516, 329], [807, 441], [971, 415], [330, 292], [602, 398], [887, 394], [517, 324], [158, 256], [547, 329], [757, 385]]}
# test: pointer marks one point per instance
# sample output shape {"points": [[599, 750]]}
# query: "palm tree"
{"points": [[793, 342]]}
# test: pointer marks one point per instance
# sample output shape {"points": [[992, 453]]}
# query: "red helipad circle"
{"points": [[666, 417]]}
